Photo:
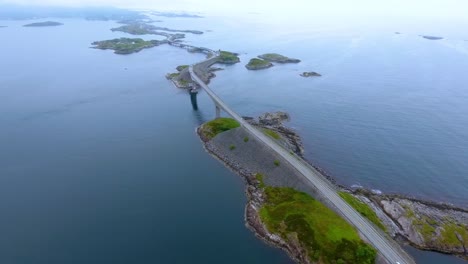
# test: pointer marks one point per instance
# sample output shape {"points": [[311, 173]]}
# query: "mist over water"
{"points": [[100, 162]]}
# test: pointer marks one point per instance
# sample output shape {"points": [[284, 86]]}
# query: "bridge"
{"points": [[386, 246]]}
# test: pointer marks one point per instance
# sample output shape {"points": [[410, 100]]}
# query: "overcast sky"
{"points": [[453, 9]]}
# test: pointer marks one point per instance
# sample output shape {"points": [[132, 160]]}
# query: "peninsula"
{"points": [[126, 45], [44, 24]]}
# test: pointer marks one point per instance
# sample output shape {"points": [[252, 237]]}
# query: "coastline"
{"points": [[399, 225], [254, 202]]}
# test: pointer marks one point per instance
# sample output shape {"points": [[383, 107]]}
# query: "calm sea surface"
{"points": [[99, 162]]}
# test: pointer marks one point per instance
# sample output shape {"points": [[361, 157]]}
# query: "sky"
{"points": [[435, 9]]}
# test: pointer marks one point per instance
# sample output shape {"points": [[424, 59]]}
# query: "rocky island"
{"points": [[44, 24], [274, 57], [126, 45], [432, 37], [310, 74], [258, 64]]}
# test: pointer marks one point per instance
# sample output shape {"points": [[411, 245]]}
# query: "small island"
{"points": [[258, 64], [3, 26], [274, 57], [125, 45], [432, 37], [226, 57], [310, 74], [44, 24]]}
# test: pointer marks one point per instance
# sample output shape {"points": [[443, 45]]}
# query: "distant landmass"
{"points": [[44, 24], [432, 37], [2, 26], [17, 12], [171, 14]]}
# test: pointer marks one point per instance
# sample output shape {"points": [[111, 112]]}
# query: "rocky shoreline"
{"points": [[255, 200], [423, 224]]}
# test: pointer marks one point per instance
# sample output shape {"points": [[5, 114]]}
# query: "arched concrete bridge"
{"points": [[388, 249]]}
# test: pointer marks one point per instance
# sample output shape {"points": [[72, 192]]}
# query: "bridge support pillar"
{"points": [[218, 111]]}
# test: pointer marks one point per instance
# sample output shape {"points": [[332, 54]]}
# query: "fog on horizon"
{"points": [[429, 9]]}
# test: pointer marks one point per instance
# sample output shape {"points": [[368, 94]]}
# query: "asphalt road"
{"points": [[388, 248]]}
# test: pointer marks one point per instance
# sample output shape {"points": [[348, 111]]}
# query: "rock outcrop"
{"points": [[310, 74]]}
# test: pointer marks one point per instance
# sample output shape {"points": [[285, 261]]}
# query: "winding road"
{"points": [[387, 247]]}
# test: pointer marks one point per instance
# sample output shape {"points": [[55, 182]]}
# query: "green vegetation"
{"points": [[232, 147], [246, 139], [362, 208], [135, 29], [257, 64], [325, 236], [174, 75], [449, 237], [125, 45], [275, 57], [276, 162], [214, 127], [259, 178], [271, 133], [228, 57], [44, 24], [183, 82], [182, 67]]}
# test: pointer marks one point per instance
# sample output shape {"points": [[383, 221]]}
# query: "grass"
{"points": [[174, 75], [183, 82], [182, 67], [246, 139], [271, 133], [449, 237], [219, 125], [232, 147], [325, 236], [259, 178], [276, 162], [125, 45], [228, 57], [277, 58], [363, 209], [258, 63]]}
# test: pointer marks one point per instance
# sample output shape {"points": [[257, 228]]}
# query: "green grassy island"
{"points": [[227, 57], [44, 24], [258, 64], [275, 57], [125, 45], [325, 236]]}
